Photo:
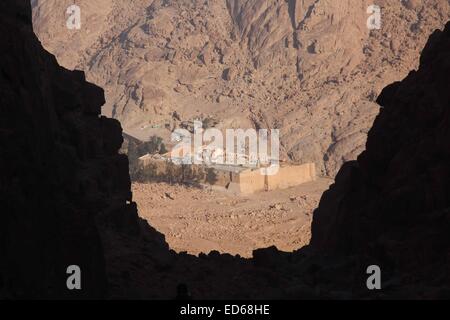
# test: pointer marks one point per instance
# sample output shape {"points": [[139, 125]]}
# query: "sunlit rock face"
{"points": [[310, 68]]}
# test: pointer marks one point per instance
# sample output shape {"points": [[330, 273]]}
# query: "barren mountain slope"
{"points": [[308, 67]]}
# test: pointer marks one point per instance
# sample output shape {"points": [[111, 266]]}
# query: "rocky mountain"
{"points": [[65, 196], [310, 68]]}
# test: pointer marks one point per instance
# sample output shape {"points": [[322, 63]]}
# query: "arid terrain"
{"points": [[310, 68], [202, 220], [66, 196]]}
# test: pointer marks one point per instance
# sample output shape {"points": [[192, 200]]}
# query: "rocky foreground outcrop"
{"points": [[392, 205], [60, 169]]}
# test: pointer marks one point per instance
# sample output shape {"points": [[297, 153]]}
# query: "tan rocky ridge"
{"points": [[308, 67]]}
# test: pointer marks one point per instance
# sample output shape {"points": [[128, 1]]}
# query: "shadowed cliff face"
{"points": [[60, 170], [393, 204]]}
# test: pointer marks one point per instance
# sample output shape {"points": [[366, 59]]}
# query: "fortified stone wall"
{"points": [[291, 176], [244, 181], [248, 182]]}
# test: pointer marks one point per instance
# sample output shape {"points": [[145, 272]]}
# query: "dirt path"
{"points": [[196, 220]]}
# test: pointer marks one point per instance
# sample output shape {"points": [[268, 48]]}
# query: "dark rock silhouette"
{"points": [[183, 292], [65, 196], [60, 169], [392, 205]]}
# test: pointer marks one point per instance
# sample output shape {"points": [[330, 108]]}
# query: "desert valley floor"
{"points": [[202, 220]]}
